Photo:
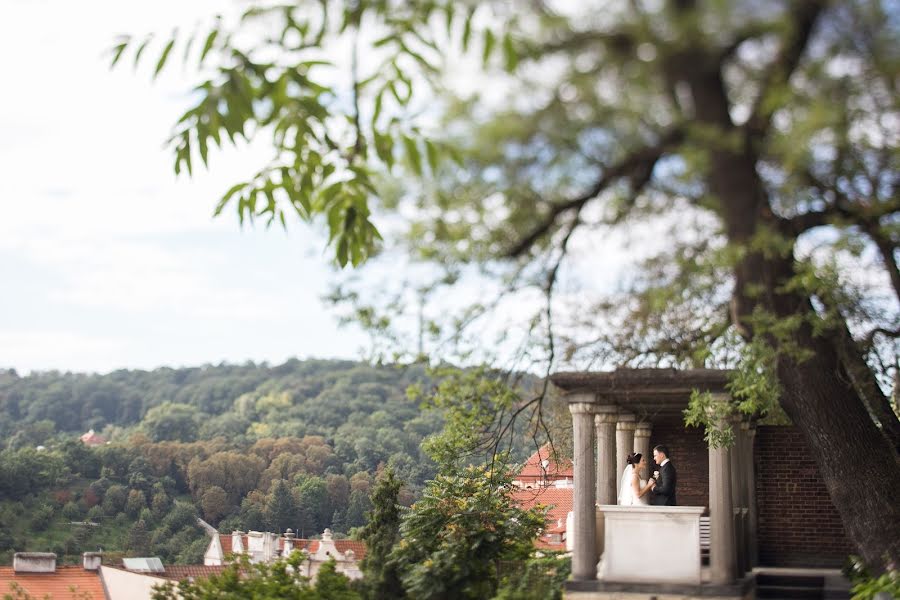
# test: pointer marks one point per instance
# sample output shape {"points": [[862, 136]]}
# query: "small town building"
{"points": [[542, 470], [136, 578], [92, 438], [262, 546]]}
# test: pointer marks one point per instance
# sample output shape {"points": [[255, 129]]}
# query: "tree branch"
{"points": [[803, 16], [870, 338], [638, 165]]}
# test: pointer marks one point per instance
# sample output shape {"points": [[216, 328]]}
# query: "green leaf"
{"points": [[510, 56], [384, 148], [467, 30], [163, 57], [489, 42], [202, 136], [449, 10], [117, 51], [432, 153], [227, 197], [187, 49], [207, 46], [379, 102], [141, 48], [384, 41], [412, 154]]}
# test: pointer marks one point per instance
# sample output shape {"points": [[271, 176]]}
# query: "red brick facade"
{"points": [[689, 454], [798, 525]]}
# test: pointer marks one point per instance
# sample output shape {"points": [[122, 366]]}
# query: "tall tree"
{"points": [[381, 534], [764, 131], [454, 537], [281, 509]]}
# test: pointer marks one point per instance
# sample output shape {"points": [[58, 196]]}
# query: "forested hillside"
{"points": [[245, 447]]}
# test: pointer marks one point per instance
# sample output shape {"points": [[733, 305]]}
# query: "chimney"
{"points": [[92, 560], [288, 543], [270, 546], [237, 543], [34, 562]]}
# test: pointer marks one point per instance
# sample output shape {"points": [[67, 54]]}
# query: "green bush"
{"points": [[867, 586], [71, 511], [41, 516]]}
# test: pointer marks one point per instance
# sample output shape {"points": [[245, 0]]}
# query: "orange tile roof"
{"points": [[559, 501], [57, 585], [534, 468]]}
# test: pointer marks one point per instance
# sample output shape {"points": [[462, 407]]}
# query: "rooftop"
{"points": [[58, 584], [559, 501], [536, 467], [644, 392]]}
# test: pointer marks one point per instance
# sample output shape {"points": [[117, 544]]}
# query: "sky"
{"points": [[108, 261]]}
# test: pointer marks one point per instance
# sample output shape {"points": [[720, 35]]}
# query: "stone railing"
{"points": [[650, 544]]}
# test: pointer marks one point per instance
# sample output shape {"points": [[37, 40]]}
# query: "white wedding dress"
{"points": [[626, 493]]}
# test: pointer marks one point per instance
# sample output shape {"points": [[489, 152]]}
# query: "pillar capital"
{"points": [[748, 427], [625, 425], [627, 418], [605, 413], [643, 429], [580, 408]]}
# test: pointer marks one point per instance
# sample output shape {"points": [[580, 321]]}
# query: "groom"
{"points": [[663, 493]]}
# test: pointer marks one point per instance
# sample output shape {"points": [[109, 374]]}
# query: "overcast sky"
{"points": [[106, 260]]}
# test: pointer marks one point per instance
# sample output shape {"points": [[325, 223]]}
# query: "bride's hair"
{"points": [[634, 458]]}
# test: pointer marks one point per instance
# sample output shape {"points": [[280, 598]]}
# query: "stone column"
{"points": [[642, 433], [625, 428], [721, 517], [584, 553], [738, 497], [749, 437], [607, 480]]}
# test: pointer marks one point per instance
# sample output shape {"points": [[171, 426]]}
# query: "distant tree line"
{"points": [[244, 447]]}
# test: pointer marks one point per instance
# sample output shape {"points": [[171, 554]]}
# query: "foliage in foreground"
{"points": [[278, 580], [453, 539], [759, 138], [867, 586]]}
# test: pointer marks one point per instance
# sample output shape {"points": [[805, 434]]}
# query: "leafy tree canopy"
{"points": [[752, 142]]}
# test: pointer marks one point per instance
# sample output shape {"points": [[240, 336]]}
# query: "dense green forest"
{"points": [[242, 446]]}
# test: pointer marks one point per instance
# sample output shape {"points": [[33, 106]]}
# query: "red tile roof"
{"points": [[180, 572], [559, 501], [534, 468], [359, 548], [57, 585], [93, 439]]}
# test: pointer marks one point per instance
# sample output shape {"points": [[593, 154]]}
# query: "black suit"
{"points": [[664, 493]]}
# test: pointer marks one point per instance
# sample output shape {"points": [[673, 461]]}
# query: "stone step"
{"points": [[784, 592], [790, 586], [790, 579]]}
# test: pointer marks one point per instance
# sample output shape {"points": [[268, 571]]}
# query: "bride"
{"points": [[633, 490]]}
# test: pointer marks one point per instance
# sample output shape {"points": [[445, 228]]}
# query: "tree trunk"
{"points": [[866, 385], [860, 468]]}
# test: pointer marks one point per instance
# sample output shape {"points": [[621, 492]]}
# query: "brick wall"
{"points": [[688, 452], [798, 524]]}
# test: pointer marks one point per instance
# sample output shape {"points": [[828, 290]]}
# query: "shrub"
{"points": [[71, 511]]}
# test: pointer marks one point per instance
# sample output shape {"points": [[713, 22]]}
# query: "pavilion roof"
{"points": [[642, 391]]}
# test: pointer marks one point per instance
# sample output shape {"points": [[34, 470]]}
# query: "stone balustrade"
{"points": [[651, 544]]}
